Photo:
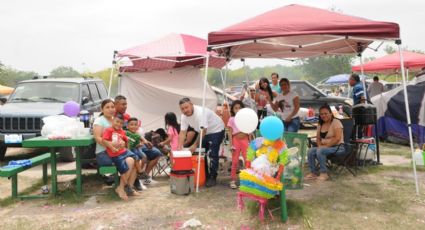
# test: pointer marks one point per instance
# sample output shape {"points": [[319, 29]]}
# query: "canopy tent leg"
{"points": [[363, 78], [247, 81], [114, 62], [409, 124], [201, 134]]}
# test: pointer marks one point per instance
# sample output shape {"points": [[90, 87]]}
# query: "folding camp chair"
{"points": [[348, 160], [162, 167]]}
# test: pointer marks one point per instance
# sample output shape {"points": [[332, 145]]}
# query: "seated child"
{"points": [[134, 143], [113, 138]]}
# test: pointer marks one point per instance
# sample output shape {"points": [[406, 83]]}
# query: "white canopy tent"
{"points": [[153, 94]]}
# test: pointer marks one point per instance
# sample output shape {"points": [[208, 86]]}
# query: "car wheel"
{"points": [[3, 149], [65, 154]]}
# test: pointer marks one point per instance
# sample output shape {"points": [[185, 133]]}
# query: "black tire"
{"points": [[65, 154], [3, 149]]}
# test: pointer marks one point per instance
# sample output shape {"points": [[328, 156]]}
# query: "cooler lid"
{"points": [[183, 153]]}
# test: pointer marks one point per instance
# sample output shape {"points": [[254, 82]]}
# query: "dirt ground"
{"points": [[380, 197]]}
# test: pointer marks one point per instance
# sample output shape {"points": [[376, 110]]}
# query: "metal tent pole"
{"points": [[409, 123], [114, 62], [207, 59]]}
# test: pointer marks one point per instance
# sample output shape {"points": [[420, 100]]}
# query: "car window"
{"points": [[85, 92], [102, 90], [303, 89], [45, 91], [93, 92]]}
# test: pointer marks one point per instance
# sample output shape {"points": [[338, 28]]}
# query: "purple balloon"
{"points": [[71, 108]]}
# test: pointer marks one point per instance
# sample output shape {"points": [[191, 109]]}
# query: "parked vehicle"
{"points": [[32, 100]]}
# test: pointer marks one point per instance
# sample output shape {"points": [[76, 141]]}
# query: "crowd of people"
{"points": [[119, 141]]}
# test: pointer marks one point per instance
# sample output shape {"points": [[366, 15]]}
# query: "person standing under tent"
{"points": [[249, 101], [212, 133], [375, 88], [275, 83], [358, 91], [263, 97], [288, 103]]}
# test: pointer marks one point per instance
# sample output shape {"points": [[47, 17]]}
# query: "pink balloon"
{"points": [[71, 108]]}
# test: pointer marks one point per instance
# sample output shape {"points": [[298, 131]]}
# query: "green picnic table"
{"points": [[44, 142]]}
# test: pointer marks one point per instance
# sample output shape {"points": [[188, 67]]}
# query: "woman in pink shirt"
{"points": [[239, 141], [173, 129]]}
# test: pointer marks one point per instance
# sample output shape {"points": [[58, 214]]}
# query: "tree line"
{"points": [[312, 69]]}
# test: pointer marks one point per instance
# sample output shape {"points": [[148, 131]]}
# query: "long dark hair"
{"points": [[104, 102], [328, 108], [268, 89], [236, 102], [171, 120]]}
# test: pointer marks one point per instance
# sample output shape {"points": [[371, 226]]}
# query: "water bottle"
{"points": [[419, 157]]}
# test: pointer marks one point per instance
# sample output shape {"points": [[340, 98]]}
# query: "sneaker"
{"points": [[149, 181], [143, 176], [233, 184], [143, 187], [138, 185], [211, 182]]}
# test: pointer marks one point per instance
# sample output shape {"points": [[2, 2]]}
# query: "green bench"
{"points": [[12, 173], [104, 170]]}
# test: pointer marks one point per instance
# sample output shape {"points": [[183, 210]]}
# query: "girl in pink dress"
{"points": [[239, 141], [173, 129]]}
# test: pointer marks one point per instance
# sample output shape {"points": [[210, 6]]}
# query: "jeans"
{"points": [[103, 159], [293, 125], [151, 153], [321, 155], [212, 144]]}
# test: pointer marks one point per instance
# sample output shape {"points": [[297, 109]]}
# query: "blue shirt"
{"points": [[276, 88], [358, 92]]}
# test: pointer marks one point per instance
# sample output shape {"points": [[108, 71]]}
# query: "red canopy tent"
{"points": [[391, 63], [297, 31], [171, 51]]}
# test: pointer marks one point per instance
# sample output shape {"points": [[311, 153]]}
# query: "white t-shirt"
{"points": [[104, 123], [286, 104], [214, 124]]}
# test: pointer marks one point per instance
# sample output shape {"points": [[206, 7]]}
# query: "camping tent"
{"points": [[391, 63], [5, 90], [297, 31], [163, 72], [392, 115]]}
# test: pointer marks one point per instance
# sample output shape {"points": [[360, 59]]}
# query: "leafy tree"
{"points": [[389, 49], [104, 75], [64, 71], [319, 68], [10, 77]]}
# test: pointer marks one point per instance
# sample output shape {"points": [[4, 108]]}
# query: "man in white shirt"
{"points": [[375, 87], [212, 131]]}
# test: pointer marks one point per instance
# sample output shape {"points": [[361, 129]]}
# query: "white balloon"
{"points": [[246, 120]]}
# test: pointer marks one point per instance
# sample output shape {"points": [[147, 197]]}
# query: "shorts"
{"points": [[120, 163], [103, 159], [151, 153], [141, 155]]}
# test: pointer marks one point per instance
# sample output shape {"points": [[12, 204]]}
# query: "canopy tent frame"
{"points": [[398, 42], [230, 37]]}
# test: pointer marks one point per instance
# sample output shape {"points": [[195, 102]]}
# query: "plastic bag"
{"points": [[62, 127]]}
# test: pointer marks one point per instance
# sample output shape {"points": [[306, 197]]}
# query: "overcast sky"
{"points": [[44, 34]]}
